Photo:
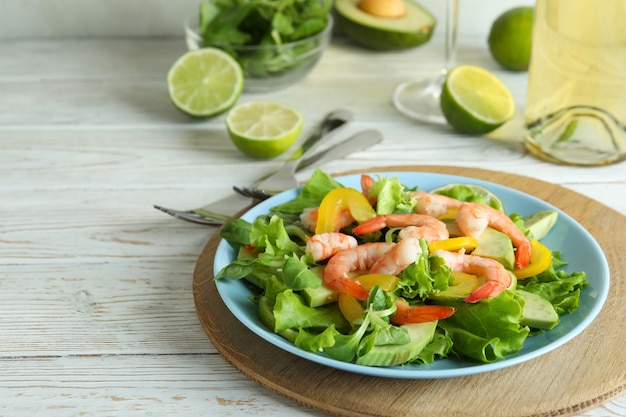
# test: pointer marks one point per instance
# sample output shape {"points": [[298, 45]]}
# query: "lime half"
{"points": [[264, 129], [470, 192], [204, 82], [475, 101]]}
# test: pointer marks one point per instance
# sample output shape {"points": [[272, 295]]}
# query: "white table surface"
{"points": [[96, 308]]}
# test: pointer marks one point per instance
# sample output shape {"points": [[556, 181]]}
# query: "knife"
{"points": [[211, 215], [285, 179]]}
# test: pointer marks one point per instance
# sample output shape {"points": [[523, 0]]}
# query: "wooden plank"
{"points": [[134, 385]]}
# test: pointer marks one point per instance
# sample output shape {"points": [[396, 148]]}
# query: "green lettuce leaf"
{"points": [[290, 311], [272, 237], [392, 196], [557, 286], [297, 275], [487, 330], [424, 277], [440, 347], [313, 192]]}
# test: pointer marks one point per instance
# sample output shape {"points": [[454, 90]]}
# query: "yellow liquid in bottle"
{"points": [[576, 102]]}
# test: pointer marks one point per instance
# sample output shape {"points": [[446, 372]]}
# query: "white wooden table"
{"points": [[96, 307]]}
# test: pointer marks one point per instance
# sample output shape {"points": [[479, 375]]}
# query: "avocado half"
{"points": [[385, 34]]}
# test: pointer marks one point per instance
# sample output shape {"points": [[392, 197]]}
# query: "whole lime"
{"points": [[510, 38]]}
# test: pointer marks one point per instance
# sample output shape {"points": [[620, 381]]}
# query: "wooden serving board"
{"points": [[583, 373]]}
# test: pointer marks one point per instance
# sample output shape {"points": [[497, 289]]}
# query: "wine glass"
{"points": [[419, 99]]}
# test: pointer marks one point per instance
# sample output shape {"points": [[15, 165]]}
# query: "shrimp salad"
{"points": [[389, 275]]}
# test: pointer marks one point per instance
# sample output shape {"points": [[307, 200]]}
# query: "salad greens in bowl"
{"points": [[276, 285], [276, 43]]}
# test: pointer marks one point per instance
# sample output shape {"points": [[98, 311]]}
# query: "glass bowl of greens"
{"points": [[275, 47]]}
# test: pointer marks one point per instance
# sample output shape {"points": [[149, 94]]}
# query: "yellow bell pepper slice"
{"points": [[386, 282], [350, 307], [540, 260], [453, 244], [341, 199]]}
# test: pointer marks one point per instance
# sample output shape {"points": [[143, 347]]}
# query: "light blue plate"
{"points": [[576, 245]]}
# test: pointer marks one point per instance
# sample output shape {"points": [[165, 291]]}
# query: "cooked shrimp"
{"points": [[497, 278], [406, 314], [308, 218], [434, 204], [439, 231], [325, 245], [416, 225], [473, 218], [360, 258], [403, 254], [366, 183]]}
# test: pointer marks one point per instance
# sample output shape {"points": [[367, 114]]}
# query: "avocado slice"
{"points": [[385, 34], [453, 228], [420, 335], [540, 223], [266, 315], [496, 245], [315, 297], [463, 286], [538, 312]]}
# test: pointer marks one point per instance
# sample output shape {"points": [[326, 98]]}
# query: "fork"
{"points": [[285, 178], [357, 141], [214, 213]]}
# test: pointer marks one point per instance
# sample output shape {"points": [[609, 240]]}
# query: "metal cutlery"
{"points": [[285, 179], [358, 141], [220, 211]]}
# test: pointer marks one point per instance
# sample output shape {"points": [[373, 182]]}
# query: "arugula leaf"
{"points": [[309, 27], [230, 24], [221, 26]]}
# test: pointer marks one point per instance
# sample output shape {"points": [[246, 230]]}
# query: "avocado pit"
{"points": [[389, 9]]}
